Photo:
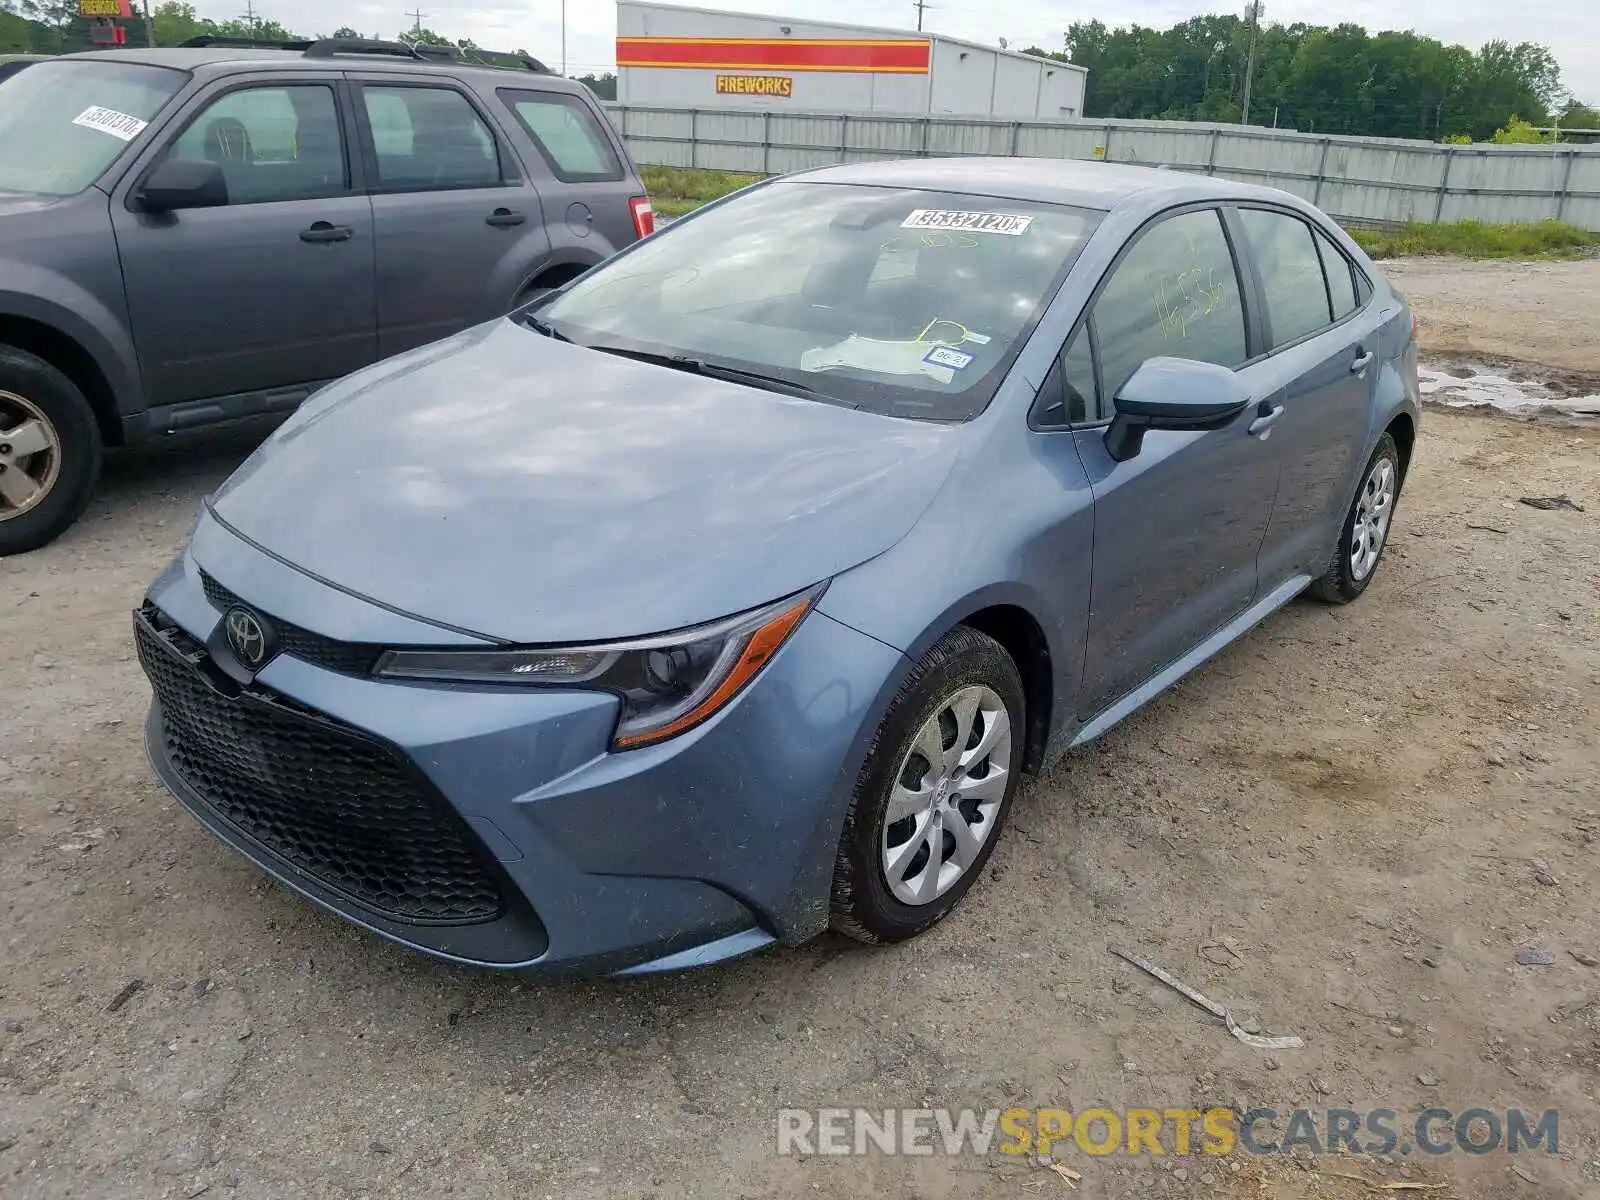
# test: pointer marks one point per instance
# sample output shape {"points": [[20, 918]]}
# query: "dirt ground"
{"points": [[1364, 814]]}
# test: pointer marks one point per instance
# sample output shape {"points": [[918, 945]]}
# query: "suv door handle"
{"points": [[1361, 363], [504, 218], [322, 231], [1263, 424]]}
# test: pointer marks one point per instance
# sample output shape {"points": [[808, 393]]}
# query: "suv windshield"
{"points": [[63, 123], [904, 302]]}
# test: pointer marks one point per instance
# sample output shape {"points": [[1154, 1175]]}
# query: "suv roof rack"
{"points": [[239, 43], [328, 47], [416, 52], [475, 57]]}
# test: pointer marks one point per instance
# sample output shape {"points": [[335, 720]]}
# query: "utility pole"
{"points": [[1252, 13], [250, 17], [418, 14], [563, 38], [919, 5], [149, 26]]}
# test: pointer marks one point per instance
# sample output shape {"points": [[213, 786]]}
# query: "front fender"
{"points": [[51, 299]]}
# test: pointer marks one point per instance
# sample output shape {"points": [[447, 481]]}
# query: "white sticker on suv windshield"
{"points": [[1012, 224], [109, 120]]}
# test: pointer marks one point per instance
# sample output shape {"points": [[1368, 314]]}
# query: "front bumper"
{"points": [[705, 847]]}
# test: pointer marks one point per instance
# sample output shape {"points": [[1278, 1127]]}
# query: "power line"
{"points": [[418, 14]]}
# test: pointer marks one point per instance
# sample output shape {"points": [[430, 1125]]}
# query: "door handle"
{"points": [[1263, 424], [1361, 363], [322, 231], [504, 218]]}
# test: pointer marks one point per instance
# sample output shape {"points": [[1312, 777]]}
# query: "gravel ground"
{"points": [[1376, 806]]}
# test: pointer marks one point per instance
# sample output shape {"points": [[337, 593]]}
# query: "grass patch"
{"points": [[677, 190], [1477, 239]]}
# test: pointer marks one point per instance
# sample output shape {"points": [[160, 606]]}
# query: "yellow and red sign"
{"points": [[105, 8], [904, 56], [781, 86]]}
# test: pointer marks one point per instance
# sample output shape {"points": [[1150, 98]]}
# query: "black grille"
{"points": [[342, 807], [348, 658]]}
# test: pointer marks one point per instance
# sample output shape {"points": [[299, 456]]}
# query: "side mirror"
{"points": [[1173, 393], [176, 185]]}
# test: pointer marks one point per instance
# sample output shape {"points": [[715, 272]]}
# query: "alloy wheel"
{"points": [[30, 455], [1369, 527], [946, 797]]}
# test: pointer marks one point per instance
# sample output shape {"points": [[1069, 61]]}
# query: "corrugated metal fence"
{"points": [[1358, 180]]}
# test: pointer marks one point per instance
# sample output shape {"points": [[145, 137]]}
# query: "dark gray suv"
{"points": [[197, 234]]}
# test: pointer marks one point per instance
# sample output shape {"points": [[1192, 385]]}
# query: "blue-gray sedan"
{"points": [[727, 593]]}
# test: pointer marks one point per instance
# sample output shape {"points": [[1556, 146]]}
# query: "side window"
{"points": [[429, 138], [1070, 395], [1291, 274], [272, 143], [1341, 283], [1175, 293], [567, 134]]}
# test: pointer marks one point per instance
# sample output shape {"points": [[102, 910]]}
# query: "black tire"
{"points": [[863, 905], [1339, 584], [62, 406]]}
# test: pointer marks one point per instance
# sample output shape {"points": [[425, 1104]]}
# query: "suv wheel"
{"points": [[934, 792], [49, 451]]}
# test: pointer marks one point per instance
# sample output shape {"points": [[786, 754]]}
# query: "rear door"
{"points": [[275, 289], [586, 183], [1324, 345], [459, 227]]}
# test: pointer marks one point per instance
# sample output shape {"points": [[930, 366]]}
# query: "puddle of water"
{"points": [[1478, 387]]}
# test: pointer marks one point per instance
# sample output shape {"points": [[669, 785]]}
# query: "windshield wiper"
{"points": [[544, 327], [699, 366]]}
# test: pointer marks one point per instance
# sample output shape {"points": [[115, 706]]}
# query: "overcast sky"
{"points": [[1570, 27]]}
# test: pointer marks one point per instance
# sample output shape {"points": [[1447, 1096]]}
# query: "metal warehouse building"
{"points": [[700, 58]]}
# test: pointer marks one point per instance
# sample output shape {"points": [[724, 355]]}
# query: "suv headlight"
{"points": [[668, 684]]}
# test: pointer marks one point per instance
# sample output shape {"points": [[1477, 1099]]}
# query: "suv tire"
{"points": [[43, 490]]}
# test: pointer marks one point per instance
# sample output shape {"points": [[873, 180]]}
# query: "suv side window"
{"points": [[1341, 282], [280, 142], [429, 139], [567, 134], [1292, 282], [1176, 292]]}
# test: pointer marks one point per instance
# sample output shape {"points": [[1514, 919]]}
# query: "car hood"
{"points": [[528, 490]]}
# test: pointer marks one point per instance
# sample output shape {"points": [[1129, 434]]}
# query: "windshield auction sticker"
{"points": [[1011, 224], [108, 120]]}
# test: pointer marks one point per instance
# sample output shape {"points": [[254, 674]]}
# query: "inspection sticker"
{"points": [[109, 120], [947, 356], [1012, 224]]}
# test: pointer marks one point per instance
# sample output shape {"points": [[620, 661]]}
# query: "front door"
{"points": [[458, 224], [1176, 527], [274, 289]]}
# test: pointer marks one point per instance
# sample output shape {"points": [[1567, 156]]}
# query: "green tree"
{"points": [[1517, 132], [1579, 116], [177, 22], [603, 86]]}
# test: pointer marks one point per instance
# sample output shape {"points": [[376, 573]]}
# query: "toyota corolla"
{"points": [[727, 593]]}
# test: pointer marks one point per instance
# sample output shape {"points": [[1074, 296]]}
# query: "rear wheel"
{"points": [[49, 451], [934, 793], [1366, 528]]}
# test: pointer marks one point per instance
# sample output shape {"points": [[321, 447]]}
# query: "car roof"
{"points": [[1078, 182], [222, 59]]}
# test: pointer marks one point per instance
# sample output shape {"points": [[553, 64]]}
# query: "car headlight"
{"points": [[668, 684]]}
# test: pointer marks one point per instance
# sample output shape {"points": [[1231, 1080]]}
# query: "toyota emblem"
{"points": [[247, 637]]}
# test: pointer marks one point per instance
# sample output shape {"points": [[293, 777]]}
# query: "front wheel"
{"points": [[49, 451], [934, 792], [1366, 528]]}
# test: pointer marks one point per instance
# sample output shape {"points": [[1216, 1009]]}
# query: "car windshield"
{"points": [[904, 302], [63, 123]]}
